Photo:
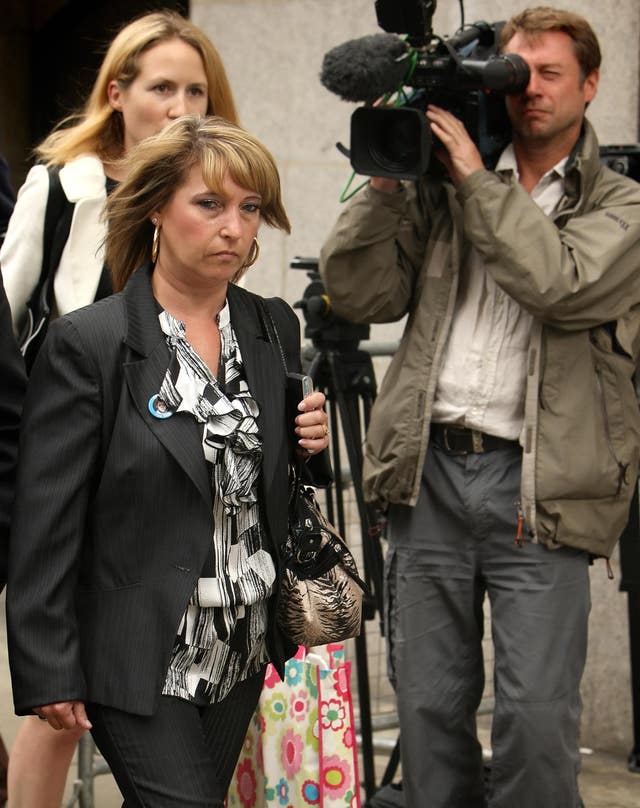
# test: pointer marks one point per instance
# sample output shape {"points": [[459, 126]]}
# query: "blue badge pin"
{"points": [[158, 407]]}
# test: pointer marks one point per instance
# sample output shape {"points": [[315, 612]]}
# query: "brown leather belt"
{"points": [[459, 440]]}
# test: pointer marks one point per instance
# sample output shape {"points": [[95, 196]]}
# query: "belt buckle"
{"points": [[477, 442], [447, 446]]}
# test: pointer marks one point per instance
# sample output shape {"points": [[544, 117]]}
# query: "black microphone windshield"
{"points": [[365, 69]]}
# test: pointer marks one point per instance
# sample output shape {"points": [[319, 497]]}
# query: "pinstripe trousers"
{"points": [[456, 545], [183, 755]]}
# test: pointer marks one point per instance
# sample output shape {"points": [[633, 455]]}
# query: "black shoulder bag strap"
{"points": [[322, 475], [57, 224], [271, 331]]}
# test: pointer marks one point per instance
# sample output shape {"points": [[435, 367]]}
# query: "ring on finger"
{"points": [[325, 430]]}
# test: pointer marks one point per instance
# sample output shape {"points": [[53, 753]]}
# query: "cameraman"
{"points": [[506, 436]]}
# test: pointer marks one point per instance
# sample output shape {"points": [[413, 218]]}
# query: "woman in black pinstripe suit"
{"points": [[152, 483]]}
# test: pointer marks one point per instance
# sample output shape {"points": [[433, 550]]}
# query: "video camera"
{"points": [[463, 74]]}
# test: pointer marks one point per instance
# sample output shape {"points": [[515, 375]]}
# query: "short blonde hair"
{"points": [[534, 21], [98, 128], [158, 165]]}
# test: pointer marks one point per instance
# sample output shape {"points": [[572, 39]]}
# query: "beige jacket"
{"points": [[577, 273]]}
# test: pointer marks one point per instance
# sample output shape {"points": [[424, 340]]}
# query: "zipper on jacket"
{"points": [[542, 369], [622, 468]]}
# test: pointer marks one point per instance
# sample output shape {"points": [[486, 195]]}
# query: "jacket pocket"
{"points": [[608, 428], [614, 372], [589, 426]]}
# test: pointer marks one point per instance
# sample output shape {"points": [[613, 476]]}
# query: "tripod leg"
{"points": [[352, 429], [392, 765]]}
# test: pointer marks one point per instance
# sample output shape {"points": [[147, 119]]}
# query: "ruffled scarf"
{"points": [[231, 440]]}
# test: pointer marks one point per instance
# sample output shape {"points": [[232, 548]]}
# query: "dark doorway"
{"points": [[68, 49], [50, 52]]}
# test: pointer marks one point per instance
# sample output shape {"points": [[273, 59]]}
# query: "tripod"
{"points": [[345, 375]]}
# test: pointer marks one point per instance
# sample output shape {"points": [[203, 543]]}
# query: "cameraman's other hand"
{"points": [[385, 184], [460, 155]]}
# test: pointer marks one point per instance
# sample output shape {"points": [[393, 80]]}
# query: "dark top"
{"points": [[12, 386]]}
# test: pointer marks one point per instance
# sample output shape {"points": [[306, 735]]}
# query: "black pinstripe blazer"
{"points": [[12, 384], [113, 514]]}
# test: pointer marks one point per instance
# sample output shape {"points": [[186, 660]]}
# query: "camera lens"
{"points": [[390, 142], [396, 143]]}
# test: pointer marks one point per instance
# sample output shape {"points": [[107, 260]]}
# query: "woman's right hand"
{"points": [[64, 715], [311, 420]]}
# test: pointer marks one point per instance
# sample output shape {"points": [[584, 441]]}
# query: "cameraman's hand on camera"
{"points": [[460, 155]]}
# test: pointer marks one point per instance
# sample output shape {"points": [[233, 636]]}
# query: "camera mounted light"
{"points": [[410, 17]]}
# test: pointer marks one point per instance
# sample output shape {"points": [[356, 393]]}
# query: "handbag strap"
{"points": [[272, 331], [322, 473]]}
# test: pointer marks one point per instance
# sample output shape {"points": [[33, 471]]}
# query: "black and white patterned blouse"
{"points": [[221, 638]]}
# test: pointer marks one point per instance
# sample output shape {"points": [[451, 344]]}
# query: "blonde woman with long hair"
{"points": [[157, 68]]}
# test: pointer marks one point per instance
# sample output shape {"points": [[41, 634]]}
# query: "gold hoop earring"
{"points": [[254, 252], [155, 244]]}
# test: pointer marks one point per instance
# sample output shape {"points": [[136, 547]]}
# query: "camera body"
{"points": [[463, 74]]}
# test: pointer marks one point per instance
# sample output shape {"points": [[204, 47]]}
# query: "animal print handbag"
{"points": [[320, 597], [320, 591]]}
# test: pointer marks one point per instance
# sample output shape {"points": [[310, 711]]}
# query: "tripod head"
{"points": [[323, 327]]}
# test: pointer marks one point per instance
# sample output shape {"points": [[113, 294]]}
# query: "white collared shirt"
{"points": [[482, 378]]}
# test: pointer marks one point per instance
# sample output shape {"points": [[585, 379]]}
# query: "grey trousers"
{"points": [[457, 544]]}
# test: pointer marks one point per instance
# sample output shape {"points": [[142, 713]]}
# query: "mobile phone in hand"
{"points": [[299, 386]]}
